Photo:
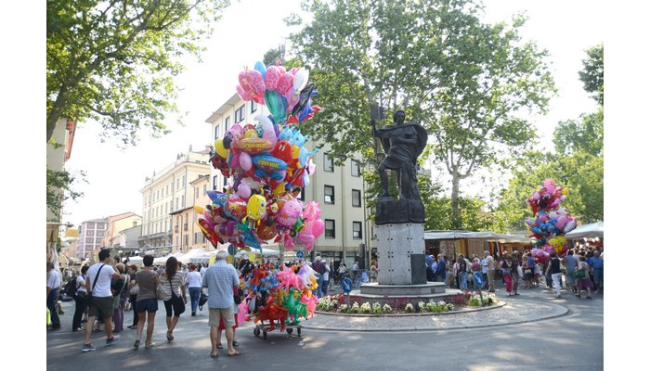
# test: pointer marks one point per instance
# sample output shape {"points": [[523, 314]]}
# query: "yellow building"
{"points": [[166, 196]]}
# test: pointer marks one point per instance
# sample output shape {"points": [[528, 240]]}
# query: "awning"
{"points": [[592, 230], [488, 236]]}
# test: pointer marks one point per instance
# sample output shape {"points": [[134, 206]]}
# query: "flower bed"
{"points": [[336, 304]]}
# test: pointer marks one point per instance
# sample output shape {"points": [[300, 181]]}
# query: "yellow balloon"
{"points": [[295, 152], [553, 242], [221, 150], [199, 209], [251, 133], [278, 190]]}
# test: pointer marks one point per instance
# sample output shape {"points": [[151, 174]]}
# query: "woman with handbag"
{"points": [[175, 295], [133, 294], [146, 304], [582, 277]]}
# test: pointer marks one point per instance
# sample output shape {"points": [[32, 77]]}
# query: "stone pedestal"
{"points": [[397, 246]]}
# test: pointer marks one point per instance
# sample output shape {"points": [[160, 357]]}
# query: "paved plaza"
{"points": [[533, 331]]}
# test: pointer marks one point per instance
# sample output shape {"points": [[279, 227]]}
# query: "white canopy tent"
{"points": [[489, 236], [187, 257], [137, 260], [592, 230]]}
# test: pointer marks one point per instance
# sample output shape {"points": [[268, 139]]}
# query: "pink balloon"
{"points": [[306, 239], [561, 222], [234, 161], [245, 161], [244, 191], [272, 78], [549, 248], [244, 94], [244, 83], [318, 228], [256, 81], [285, 82]]}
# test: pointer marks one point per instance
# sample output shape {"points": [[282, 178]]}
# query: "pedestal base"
{"points": [[400, 252]]}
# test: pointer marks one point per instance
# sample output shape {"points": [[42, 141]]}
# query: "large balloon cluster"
{"points": [[551, 221], [279, 295], [268, 163]]}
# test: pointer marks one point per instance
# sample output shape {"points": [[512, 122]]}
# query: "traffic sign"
{"points": [[346, 284], [300, 254], [478, 279]]}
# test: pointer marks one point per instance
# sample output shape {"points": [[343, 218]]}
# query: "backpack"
{"points": [[319, 267], [70, 288]]}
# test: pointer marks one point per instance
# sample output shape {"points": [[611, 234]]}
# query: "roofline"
{"points": [[230, 103], [181, 210]]}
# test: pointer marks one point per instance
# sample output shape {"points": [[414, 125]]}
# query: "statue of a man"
{"points": [[403, 143]]}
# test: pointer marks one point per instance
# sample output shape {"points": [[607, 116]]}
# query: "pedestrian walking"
{"points": [[120, 292], [193, 282], [553, 269], [506, 272], [582, 277], [100, 298], [326, 277], [221, 279], [53, 288], [596, 265], [80, 300], [489, 263], [175, 295], [133, 295], [570, 264], [146, 304]]}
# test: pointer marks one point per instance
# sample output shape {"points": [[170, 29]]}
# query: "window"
{"points": [[214, 183], [329, 194], [178, 182], [196, 194], [356, 198], [227, 124], [186, 240], [356, 230], [356, 170], [167, 191], [225, 181], [100, 233], [240, 113], [329, 228], [328, 163], [216, 132], [253, 106], [204, 186], [183, 180], [182, 201], [90, 233], [91, 226], [176, 203]]}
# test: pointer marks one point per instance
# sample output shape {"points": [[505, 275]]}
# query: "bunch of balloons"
{"points": [[551, 221], [279, 295], [269, 164]]}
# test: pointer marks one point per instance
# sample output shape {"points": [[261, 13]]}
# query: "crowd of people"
{"points": [[580, 270]]}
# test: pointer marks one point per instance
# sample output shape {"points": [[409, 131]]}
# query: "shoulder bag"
{"points": [[118, 296], [90, 294], [160, 291]]}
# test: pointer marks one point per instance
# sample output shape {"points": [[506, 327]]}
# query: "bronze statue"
{"points": [[403, 143]]}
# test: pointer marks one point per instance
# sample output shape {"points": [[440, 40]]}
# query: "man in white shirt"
{"points": [[100, 298], [53, 286]]}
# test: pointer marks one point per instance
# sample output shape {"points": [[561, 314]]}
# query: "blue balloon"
{"points": [[259, 66]]}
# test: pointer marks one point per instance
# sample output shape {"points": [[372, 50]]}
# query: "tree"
{"points": [[114, 61], [593, 73], [465, 81], [586, 136]]}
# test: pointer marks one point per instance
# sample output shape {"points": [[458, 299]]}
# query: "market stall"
{"points": [[592, 230]]}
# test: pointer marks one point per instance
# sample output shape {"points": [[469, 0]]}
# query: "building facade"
{"points": [[339, 190], [91, 237], [165, 194], [118, 223]]}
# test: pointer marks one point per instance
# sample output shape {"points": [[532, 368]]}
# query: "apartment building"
{"points": [[165, 197], [339, 190], [91, 237], [118, 223]]}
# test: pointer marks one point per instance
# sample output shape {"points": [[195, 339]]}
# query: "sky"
{"points": [[251, 27]]}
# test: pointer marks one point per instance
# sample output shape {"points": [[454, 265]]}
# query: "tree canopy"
{"points": [[467, 82], [114, 61]]}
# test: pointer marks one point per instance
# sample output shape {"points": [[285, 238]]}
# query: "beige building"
{"points": [[118, 223], [339, 190], [166, 193]]}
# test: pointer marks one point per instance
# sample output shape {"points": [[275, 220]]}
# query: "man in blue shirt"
{"points": [[441, 271], [221, 279], [570, 262], [596, 265]]}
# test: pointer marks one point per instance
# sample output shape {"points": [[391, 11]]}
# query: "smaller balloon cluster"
{"points": [[279, 295], [552, 221], [269, 164]]}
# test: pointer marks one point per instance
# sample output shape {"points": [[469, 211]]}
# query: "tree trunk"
{"points": [[456, 222]]}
